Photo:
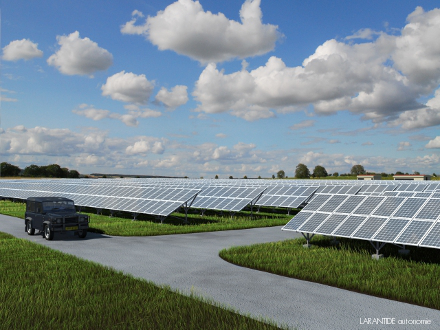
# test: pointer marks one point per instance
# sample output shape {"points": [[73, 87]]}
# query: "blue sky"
{"points": [[221, 87]]}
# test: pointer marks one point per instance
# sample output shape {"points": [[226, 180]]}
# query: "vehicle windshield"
{"points": [[58, 205]]}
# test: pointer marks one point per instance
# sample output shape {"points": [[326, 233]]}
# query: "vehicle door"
{"points": [[37, 221]]}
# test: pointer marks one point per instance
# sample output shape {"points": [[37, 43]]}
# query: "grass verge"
{"points": [[46, 289], [122, 224], [414, 279]]}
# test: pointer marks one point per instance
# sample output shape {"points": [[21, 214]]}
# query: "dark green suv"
{"points": [[54, 214]]}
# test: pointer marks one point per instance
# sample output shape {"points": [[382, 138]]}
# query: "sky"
{"points": [[227, 88]]}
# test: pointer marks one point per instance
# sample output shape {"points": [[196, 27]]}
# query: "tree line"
{"points": [[48, 171]]}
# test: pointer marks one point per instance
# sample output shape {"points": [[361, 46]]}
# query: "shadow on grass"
{"points": [[416, 254]]}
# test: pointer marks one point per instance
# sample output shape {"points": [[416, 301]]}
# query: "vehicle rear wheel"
{"points": [[29, 228], [48, 234], [82, 233]]}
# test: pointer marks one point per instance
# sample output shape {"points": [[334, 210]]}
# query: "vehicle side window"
{"points": [[38, 207], [30, 206]]}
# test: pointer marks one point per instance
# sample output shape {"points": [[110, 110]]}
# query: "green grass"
{"points": [[45, 289], [122, 224], [414, 279]]}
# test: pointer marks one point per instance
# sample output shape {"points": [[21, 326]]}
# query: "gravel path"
{"points": [[190, 262]]}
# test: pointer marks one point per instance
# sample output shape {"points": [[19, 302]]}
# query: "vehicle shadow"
{"points": [[70, 236]]}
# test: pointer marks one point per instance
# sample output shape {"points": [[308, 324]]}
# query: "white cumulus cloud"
{"points": [[23, 49], [379, 79], [78, 56], [150, 145], [187, 29], [421, 118], [128, 87], [129, 119], [172, 99], [434, 144]]}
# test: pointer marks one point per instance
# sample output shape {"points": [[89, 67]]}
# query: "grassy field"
{"points": [[414, 279], [122, 225], [45, 289]]}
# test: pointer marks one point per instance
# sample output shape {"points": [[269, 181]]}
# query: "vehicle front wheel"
{"points": [[48, 234], [82, 233], [29, 228]]}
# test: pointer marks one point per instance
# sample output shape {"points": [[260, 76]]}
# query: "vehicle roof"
{"points": [[48, 199]]}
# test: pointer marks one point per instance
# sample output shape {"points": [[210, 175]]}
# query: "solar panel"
{"points": [[432, 239], [369, 205], [388, 206], [331, 223], [369, 228], [297, 220], [390, 230], [414, 232], [409, 208], [317, 202], [313, 222], [333, 203], [350, 224], [430, 211], [350, 204]]}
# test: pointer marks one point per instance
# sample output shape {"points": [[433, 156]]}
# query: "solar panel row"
{"points": [[389, 219]]}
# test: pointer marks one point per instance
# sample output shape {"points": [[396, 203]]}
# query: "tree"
{"points": [[245, 177], [7, 169], [357, 170], [399, 173], [216, 176], [53, 171], [302, 172], [319, 171], [416, 173], [273, 176], [65, 172], [259, 177], [281, 174], [336, 174], [230, 177], [32, 170]]}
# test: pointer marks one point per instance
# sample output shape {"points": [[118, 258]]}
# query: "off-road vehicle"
{"points": [[54, 214]]}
